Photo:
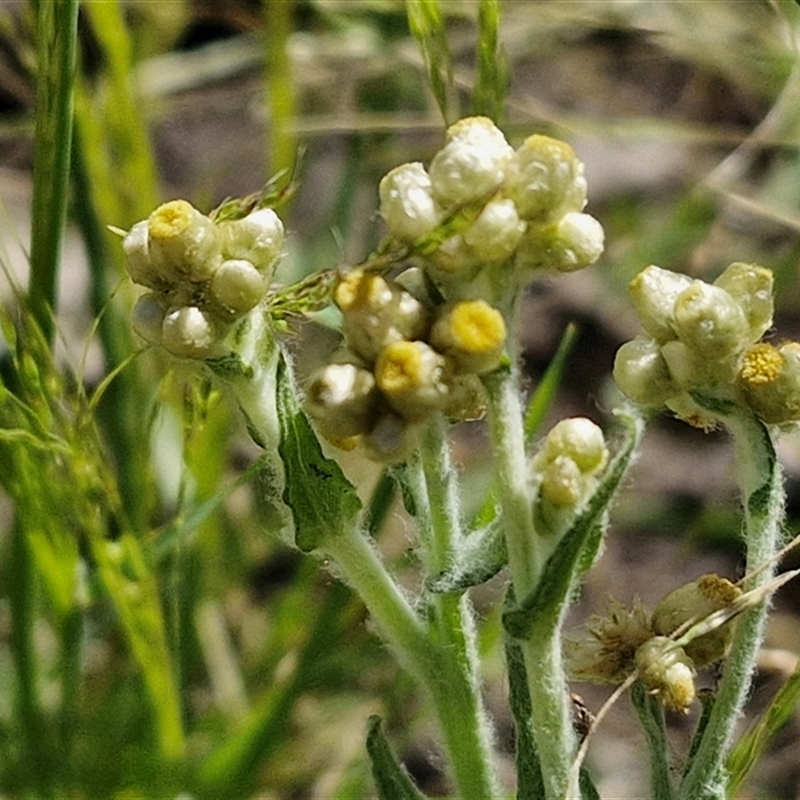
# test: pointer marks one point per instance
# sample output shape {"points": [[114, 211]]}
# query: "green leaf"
{"points": [[553, 589], [530, 784], [492, 70], [321, 498], [751, 746], [651, 716], [133, 589], [426, 23], [481, 556], [391, 778]]}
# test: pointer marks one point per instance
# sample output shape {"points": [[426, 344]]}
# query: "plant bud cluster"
{"points": [[625, 640], [569, 462], [703, 340], [528, 204], [405, 359], [202, 276]]}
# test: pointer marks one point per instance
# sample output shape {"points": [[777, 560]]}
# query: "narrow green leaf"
{"points": [[322, 499], [426, 24], [480, 557], [543, 398], [753, 743], [391, 778], [133, 590], [57, 27], [492, 70], [553, 589], [651, 716], [530, 784]]}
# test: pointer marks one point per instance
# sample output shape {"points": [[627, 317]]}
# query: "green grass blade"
{"points": [[280, 88], [751, 746], [426, 22], [492, 69], [57, 31]]}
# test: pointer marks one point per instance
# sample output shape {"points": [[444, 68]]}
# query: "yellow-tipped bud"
{"points": [[377, 313], [751, 286], [545, 179], [183, 243], [412, 377], [694, 601], [769, 377], [472, 334]]}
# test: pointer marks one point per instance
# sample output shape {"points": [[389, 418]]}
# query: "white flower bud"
{"points": [[580, 440], [562, 482], [708, 320], [342, 399], [147, 318], [653, 293], [412, 377], [471, 164], [237, 286], [183, 243], [257, 238], [407, 204], [641, 372], [573, 242], [545, 179], [137, 256], [667, 672], [377, 313], [497, 231], [188, 332], [751, 286]]}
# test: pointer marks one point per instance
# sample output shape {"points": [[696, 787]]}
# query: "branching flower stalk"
{"points": [[430, 335]]}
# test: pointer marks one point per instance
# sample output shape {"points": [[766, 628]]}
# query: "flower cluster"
{"points": [[569, 462], [631, 639], [702, 344], [405, 359], [529, 204], [416, 344], [202, 276]]}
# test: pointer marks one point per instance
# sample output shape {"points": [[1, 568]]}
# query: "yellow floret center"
{"points": [[359, 289], [170, 219], [400, 368], [477, 327], [762, 364]]}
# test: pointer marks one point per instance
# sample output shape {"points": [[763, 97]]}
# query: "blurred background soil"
{"points": [[687, 116]]}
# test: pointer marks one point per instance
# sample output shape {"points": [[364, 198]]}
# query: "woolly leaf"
{"points": [[481, 556], [319, 495], [553, 589], [391, 778]]}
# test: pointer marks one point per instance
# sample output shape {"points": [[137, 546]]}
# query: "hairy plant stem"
{"points": [[763, 498], [455, 682], [547, 684]]}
